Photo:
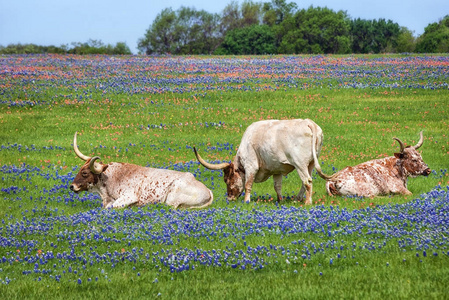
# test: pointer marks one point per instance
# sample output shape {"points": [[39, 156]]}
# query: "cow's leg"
{"points": [[402, 190], [309, 186], [331, 188], [204, 199], [248, 187], [407, 192], [192, 198], [278, 185], [308, 193], [301, 192], [189, 193], [207, 201], [107, 201], [122, 202], [304, 174]]}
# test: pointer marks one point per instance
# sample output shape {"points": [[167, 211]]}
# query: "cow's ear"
{"points": [[399, 155], [229, 170], [104, 168]]}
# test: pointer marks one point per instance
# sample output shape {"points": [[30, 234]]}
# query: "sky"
{"points": [[62, 22]]}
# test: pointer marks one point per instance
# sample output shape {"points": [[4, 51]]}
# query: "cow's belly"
{"points": [[263, 174], [363, 184], [351, 187]]}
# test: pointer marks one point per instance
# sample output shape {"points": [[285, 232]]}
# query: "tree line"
{"points": [[278, 27], [275, 27], [89, 47]]}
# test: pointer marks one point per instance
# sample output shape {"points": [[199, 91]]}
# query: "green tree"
{"points": [[196, 31], [435, 38], [374, 36], [316, 30], [406, 42], [230, 18], [256, 39], [276, 11], [234, 16], [251, 13], [121, 49], [385, 35], [186, 31], [361, 32], [160, 37]]}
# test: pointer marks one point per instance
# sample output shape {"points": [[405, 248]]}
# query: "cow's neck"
{"points": [[238, 166], [401, 171], [101, 189]]}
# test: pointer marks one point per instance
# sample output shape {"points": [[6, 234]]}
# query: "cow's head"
{"points": [[90, 172], [233, 177], [411, 160]]}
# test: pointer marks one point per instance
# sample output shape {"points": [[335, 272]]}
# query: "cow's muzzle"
{"points": [[74, 188], [426, 172]]}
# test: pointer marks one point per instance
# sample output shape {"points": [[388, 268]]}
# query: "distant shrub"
{"points": [[90, 47]]}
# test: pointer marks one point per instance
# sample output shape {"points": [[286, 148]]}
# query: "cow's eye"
{"points": [[85, 174]]}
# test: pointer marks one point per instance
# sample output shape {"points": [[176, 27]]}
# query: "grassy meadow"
{"points": [[151, 111]]}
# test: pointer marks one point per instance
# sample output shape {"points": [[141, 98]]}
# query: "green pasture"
{"points": [[358, 125], [159, 130]]}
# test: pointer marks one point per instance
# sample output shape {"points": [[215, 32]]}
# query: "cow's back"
{"points": [[279, 146], [149, 185]]}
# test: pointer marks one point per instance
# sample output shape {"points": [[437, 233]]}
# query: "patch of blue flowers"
{"points": [[47, 242], [25, 148]]}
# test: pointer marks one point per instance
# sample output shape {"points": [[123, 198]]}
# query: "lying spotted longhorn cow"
{"points": [[272, 148], [122, 184], [380, 176]]}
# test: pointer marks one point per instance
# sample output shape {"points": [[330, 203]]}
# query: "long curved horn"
{"points": [[95, 168], [421, 140], [401, 144], [208, 165], [77, 151]]}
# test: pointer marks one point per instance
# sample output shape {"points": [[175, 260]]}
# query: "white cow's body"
{"points": [[272, 148]]}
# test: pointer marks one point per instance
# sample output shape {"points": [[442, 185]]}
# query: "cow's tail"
{"points": [[315, 157]]}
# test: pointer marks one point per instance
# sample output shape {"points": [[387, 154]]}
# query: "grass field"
{"points": [[151, 111]]}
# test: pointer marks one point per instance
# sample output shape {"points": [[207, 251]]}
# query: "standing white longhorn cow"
{"points": [[272, 148], [122, 184]]}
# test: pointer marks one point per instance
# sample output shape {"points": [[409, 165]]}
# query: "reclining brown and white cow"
{"points": [[122, 184], [380, 176]]}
